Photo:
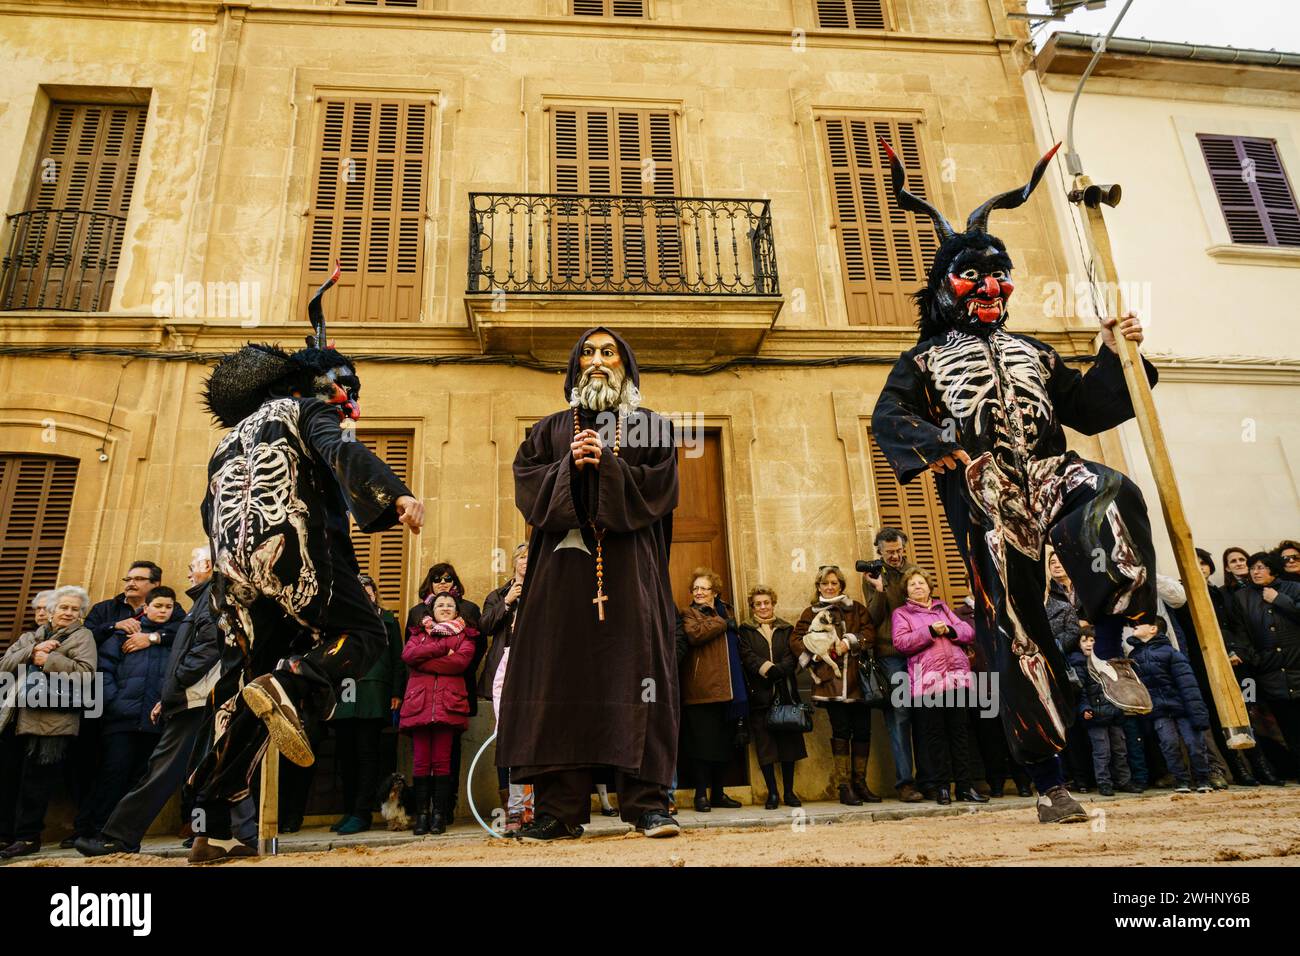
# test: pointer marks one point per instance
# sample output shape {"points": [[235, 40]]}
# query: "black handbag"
{"points": [[788, 715], [872, 680]]}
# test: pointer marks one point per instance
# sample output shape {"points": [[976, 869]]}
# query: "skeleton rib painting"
{"points": [[285, 593], [984, 409]]}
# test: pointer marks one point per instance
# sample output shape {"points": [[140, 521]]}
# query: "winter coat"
{"points": [[195, 661], [468, 612], [102, 619], [435, 683], [756, 655], [934, 664], [133, 682], [881, 606], [1104, 713], [1272, 637], [1168, 677], [706, 671], [75, 655], [1063, 619], [384, 681], [853, 623], [497, 624]]}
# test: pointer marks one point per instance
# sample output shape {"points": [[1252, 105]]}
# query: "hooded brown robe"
{"points": [[580, 692]]}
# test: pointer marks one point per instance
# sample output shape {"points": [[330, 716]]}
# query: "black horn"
{"points": [[979, 219], [317, 314], [913, 203]]}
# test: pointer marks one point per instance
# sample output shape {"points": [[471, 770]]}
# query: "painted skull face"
{"points": [[340, 386], [976, 289]]}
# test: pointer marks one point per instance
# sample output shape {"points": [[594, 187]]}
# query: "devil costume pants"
{"points": [[310, 664], [1096, 520]]}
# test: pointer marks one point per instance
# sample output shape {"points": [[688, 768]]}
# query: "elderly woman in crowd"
{"points": [[54, 666], [770, 668], [933, 638], [714, 696], [832, 636]]}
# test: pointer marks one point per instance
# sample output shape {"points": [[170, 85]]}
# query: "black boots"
{"points": [[861, 753], [844, 773], [441, 805], [422, 795]]}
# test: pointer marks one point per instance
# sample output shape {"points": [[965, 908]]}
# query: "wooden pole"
{"points": [[1223, 685], [268, 817]]}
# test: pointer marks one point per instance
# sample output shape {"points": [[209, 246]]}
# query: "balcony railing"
{"points": [[63, 259], [586, 244]]}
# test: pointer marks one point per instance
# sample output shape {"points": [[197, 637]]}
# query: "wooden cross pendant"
{"points": [[599, 600]]}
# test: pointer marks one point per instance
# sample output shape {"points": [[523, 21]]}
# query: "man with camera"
{"points": [[882, 584]]}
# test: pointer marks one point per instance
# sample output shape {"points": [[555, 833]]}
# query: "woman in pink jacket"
{"points": [[436, 706], [930, 635]]}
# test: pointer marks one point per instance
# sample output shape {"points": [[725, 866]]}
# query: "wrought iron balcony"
{"points": [[592, 244], [64, 259]]}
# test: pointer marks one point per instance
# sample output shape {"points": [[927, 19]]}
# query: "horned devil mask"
{"points": [[243, 381], [970, 281]]}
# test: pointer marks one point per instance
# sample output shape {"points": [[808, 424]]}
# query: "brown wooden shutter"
{"points": [[367, 207], [884, 251], [383, 555], [851, 14], [408, 4], [86, 166], [602, 151], [915, 509], [35, 501], [1254, 193], [608, 8]]}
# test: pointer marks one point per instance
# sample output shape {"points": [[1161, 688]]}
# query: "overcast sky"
{"points": [[1249, 24]]}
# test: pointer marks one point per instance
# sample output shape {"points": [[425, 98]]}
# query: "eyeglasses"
{"points": [[135, 577], [444, 579], [1288, 558]]}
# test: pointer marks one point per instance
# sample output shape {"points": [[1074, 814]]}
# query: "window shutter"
{"points": [[383, 555], [1254, 193], [408, 4], [367, 208], [602, 151], [87, 164], [851, 14], [608, 8], [35, 501], [915, 509], [884, 251]]}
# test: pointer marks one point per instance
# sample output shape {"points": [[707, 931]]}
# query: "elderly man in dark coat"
{"points": [[592, 683]]}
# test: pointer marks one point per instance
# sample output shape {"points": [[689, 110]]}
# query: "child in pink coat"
{"points": [[436, 706], [931, 636]]}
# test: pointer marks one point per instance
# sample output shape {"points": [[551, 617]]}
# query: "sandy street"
{"points": [[1239, 826]]}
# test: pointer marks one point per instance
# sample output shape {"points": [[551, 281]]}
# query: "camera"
{"points": [[870, 568]]}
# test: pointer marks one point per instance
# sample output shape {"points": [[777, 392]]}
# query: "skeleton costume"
{"points": [[285, 590], [1004, 399]]}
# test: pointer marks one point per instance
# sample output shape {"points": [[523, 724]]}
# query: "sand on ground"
{"points": [[1259, 827]]}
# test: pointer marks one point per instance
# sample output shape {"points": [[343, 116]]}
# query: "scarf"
{"points": [[738, 706], [449, 628]]}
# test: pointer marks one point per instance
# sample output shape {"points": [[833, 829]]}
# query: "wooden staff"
{"points": [[268, 816], [1223, 685]]}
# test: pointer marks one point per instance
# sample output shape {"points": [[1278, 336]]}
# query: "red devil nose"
{"points": [[991, 288]]}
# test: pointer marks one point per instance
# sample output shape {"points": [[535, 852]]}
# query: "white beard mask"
{"points": [[600, 395]]}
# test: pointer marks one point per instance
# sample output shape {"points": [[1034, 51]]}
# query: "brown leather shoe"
{"points": [[267, 699], [909, 794], [204, 852], [863, 791], [1124, 690]]}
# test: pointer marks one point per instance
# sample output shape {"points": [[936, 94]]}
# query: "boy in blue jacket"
{"points": [[133, 667], [1103, 722], [1177, 708]]}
